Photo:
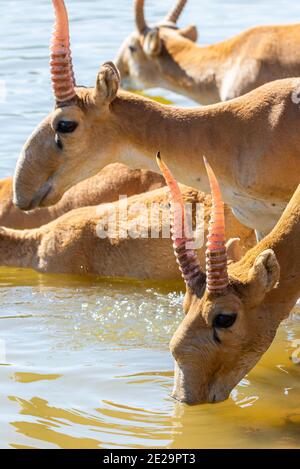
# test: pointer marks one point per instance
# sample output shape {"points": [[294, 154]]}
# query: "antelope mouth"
{"points": [[37, 200], [40, 196], [212, 398]]}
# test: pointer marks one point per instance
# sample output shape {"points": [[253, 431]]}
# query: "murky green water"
{"points": [[85, 363]]}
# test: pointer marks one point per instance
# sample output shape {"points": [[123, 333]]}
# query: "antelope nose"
{"points": [[40, 195], [21, 202]]}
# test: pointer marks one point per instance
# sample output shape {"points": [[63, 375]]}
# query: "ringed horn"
{"points": [[141, 24], [216, 278], [62, 75], [187, 259], [216, 254]]}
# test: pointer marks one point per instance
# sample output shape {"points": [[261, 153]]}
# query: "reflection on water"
{"points": [[85, 363]]}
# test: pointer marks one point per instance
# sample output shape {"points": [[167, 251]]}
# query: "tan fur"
{"points": [[71, 245], [113, 181], [264, 286], [252, 142], [213, 73]]}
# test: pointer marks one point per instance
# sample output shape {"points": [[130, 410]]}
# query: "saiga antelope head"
{"points": [[143, 60], [52, 158], [225, 331]]}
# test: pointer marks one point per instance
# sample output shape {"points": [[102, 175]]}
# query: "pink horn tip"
{"points": [[216, 254], [62, 74], [174, 15], [187, 259]]}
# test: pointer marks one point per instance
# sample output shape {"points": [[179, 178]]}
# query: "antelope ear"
{"points": [[108, 83], [264, 275], [152, 43], [190, 32], [234, 253]]}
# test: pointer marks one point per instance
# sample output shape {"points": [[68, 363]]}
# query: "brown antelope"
{"points": [[232, 312], [253, 141], [113, 181], [167, 57], [71, 244]]}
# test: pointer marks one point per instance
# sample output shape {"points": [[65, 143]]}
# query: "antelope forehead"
{"points": [[68, 115], [134, 40], [227, 304]]}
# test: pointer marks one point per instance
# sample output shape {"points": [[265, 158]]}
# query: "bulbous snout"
{"points": [[199, 375], [121, 66], [192, 388], [127, 78], [122, 61], [30, 184], [28, 200], [135, 70], [36, 165]]}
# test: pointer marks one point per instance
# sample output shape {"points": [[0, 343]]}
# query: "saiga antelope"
{"points": [[232, 312], [253, 142], [167, 57], [74, 244], [108, 185]]}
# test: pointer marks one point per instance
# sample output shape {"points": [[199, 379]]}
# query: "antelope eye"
{"points": [[132, 49], [66, 127], [224, 321]]}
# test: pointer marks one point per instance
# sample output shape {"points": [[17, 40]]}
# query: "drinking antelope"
{"points": [[74, 243], [108, 185], [232, 312], [167, 57], [253, 141]]}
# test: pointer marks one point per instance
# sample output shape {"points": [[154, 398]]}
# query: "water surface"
{"points": [[83, 362]]}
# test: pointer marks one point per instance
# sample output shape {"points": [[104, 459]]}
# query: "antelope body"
{"points": [[71, 244], [166, 56], [253, 143], [108, 185]]}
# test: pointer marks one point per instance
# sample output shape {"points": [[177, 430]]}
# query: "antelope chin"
{"points": [[38, 199], [186, 391], [51, 198], [212, 398], [40, 196]]}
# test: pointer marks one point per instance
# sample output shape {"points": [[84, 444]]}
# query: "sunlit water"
{"points": [[84, 363]]}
